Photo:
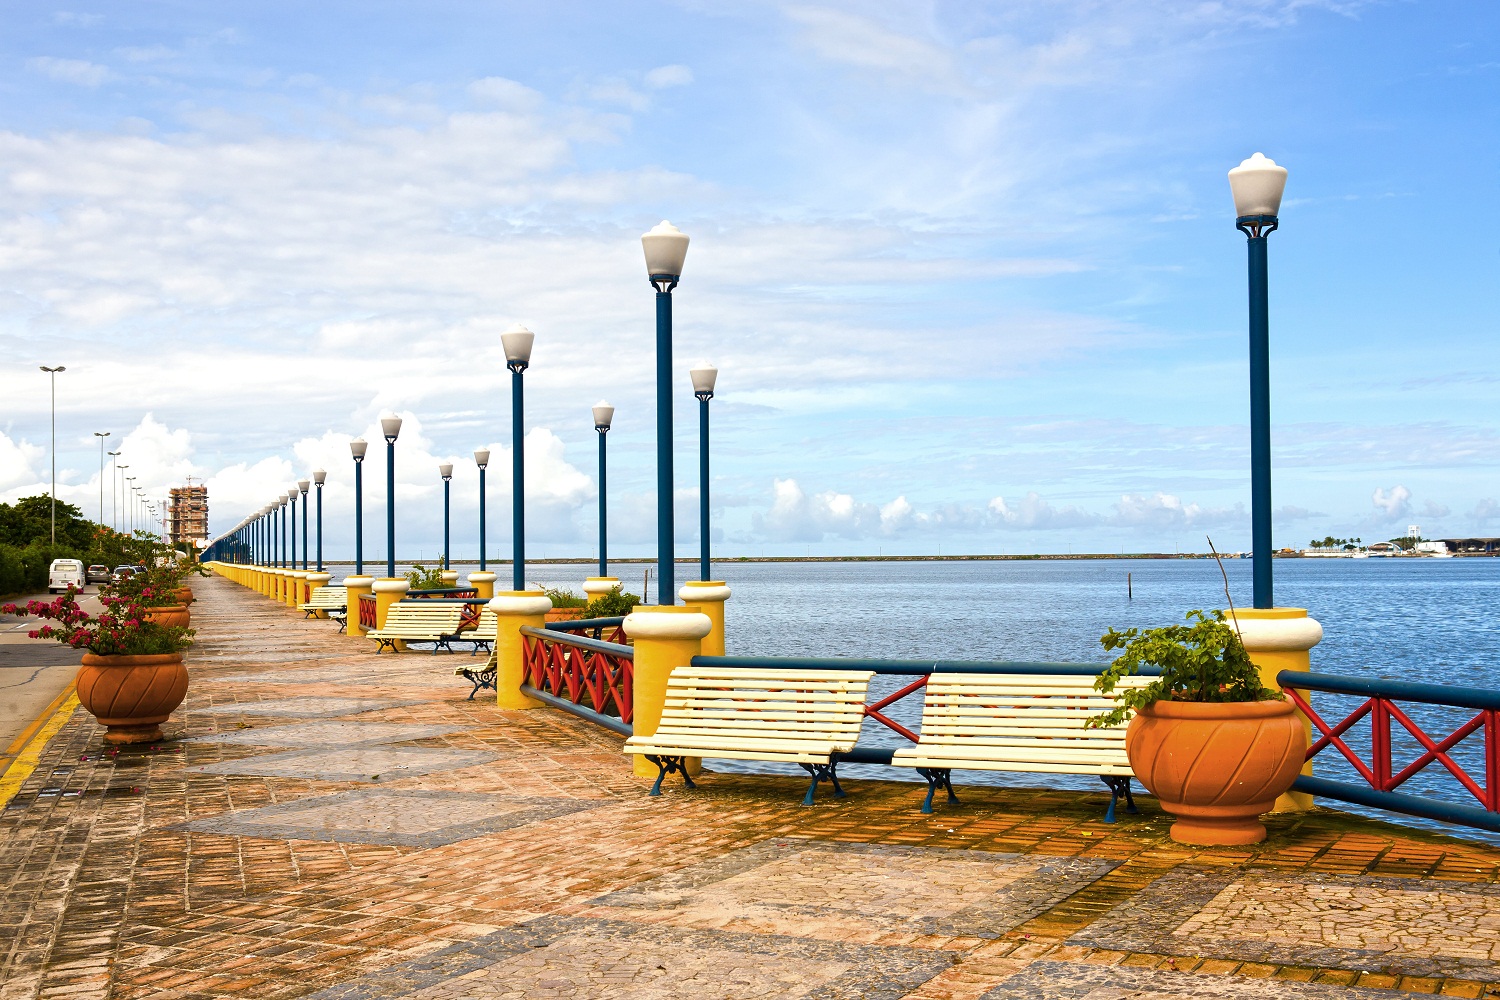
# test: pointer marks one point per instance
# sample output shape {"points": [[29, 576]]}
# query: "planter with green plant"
{"points": [[566, 605], [132, 675], [615, 603], [1207, 738]]}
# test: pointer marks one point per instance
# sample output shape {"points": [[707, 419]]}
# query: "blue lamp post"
{"points": [[1257, 185], [482, 459], [390, 427], [666, 249], [517, 341], [281, 514], [704, 376], [357, 448], [446, 471], [302, 486], [603, 415], [291, 499], [319, 476]]}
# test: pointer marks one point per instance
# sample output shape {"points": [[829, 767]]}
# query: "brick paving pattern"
{"points": [[324, 822]]}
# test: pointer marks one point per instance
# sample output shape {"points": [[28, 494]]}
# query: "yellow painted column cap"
{"points": [[358, 581], [667, 622], [482, 577], [704, 590], [600, 584], [1267, 630], [318, 578], [390, 585], [527, 603]]}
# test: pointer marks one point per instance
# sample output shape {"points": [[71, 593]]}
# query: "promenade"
{"points": [[327, 823]]}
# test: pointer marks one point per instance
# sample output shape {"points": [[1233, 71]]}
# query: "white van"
{"points": [[64, 573]]}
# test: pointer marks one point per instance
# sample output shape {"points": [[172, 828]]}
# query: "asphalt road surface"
{"points": [[32, 671]]}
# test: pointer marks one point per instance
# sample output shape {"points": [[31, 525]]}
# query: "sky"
{"points": [[968, 270]]}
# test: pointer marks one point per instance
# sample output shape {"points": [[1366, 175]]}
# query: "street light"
{"points": [[285, 541], [481, 459], [357, 449], [291, 499], [318, 477], [53, 373], [124, 514], [114, 492], [391, 428], [302, 485], [603, 414], [131, 498], [517, 341], [703, 377], [101, 435], [446, 471], [1257, 185], [666, 249]]}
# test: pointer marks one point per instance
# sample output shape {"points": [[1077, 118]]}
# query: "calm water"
{"points": [[1427, 620]]}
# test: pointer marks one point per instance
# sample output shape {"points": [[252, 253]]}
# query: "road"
{"points": [[33, 672]]}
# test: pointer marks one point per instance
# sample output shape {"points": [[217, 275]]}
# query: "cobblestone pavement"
{"points": [[326, 823]]}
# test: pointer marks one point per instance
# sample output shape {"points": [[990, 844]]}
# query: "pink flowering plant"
{"points": [[121, 629]]}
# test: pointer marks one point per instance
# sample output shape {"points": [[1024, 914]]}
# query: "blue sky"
{"points": [[969, 271]]}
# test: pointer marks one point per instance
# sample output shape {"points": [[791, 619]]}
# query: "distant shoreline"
{"points": [[685, 561]]}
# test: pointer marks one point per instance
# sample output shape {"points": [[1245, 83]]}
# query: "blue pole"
{"points": [[1256, 229], [665, 531], [282, 514], [703, 569], [304, 532], [292, 521], [518, 483], [359, 517], [603, 508], [390, 508], [447, 484], [481, 519], [320, 527]]}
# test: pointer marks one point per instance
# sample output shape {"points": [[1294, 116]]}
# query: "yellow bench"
{"points": [[1019, 722], [804, 717], [418, 621]]}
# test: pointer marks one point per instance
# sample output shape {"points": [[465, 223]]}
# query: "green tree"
{"points": [[29, 520]]}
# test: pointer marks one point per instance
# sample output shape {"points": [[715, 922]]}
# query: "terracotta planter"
{"points": [[185, 595], [1217, 766], [170, 614], [564, 614], [132, 695]]}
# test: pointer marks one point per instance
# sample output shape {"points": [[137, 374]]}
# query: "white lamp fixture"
{"points": [[391, 428], [1257, 184], [320, 477], [446, 470], [303, 484], [517, 342], [481, 457], [357, 448], [704, 375], [603, 414], [666, 248]]}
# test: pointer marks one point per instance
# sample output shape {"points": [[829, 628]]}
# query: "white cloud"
{"points": [[1485, 510], [1034, 512], [1393, 504], [675, 75], [75, 71]]}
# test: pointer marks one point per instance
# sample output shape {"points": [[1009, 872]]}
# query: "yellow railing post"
{"points": [[710, 596], [514, 609], [1280, 639], [665, 637], [354, 588]]}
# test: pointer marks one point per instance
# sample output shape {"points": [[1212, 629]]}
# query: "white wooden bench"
{"points": [[482, 678], [418, 621], [483, 634], [1019, 722], [805, 717], [325, 599]]}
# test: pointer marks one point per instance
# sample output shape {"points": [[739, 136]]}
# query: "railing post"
{"points": [[449, 577], [388, 590], [1280, 639], [314, 581], [296, 580], [483, 583], [596, 587], [665, 637], [513, 610], [354, 587], [710, 596]]}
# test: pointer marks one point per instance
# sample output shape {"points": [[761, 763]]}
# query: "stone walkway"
{"points": [[328, 823]]}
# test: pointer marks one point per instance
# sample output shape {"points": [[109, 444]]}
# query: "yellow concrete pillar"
{"points": [[354, 587], [278, 584], [296, 581], [710, 596], [514, 609], [450, 578], [484, 583], [596, 587], [1280, 639], [388, 590], [260, 580], [665, 637], [314, 581]]}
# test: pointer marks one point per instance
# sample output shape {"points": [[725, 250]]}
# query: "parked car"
{"points": [[122, 573], [96, 574], [64, 573]]}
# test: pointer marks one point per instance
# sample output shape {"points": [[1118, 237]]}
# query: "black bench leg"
{"points": [[822, 772], [1118, 785], [833, 776], [666, 765], [937, 777]]}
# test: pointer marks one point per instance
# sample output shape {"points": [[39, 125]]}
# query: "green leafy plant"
{"points": [[1200, 661], [422, 578], [122, 629], [562, 597], [613, 604]]}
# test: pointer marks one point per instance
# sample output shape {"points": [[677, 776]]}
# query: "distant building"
{"points": [[1473, 546], [187, 516]]}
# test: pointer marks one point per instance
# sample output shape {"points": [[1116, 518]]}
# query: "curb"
{"points": [[27, 748]]}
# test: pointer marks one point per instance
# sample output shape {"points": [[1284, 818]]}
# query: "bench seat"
{"points": [[417, 621], [1019, 722], [805, 717], [325, 599]]}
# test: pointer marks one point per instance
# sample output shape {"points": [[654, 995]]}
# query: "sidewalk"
{"points": [[341, 825]]}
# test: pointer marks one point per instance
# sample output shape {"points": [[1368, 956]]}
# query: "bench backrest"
{"points": [[328, 597], [422, 618], [970, 709], [745, 702], [486, 627]]}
